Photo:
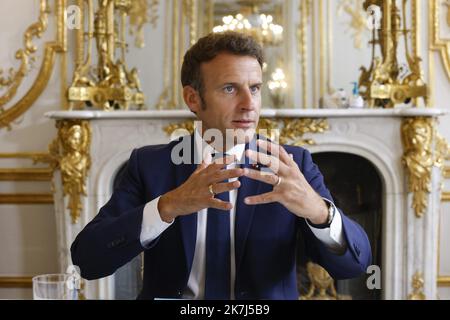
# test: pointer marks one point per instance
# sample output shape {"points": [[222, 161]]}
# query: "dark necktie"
{"points": [[217, 278]]}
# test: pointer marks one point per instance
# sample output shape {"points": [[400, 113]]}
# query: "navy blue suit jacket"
{"points": [[265, 235]]}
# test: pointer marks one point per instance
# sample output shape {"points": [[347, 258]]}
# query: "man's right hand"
{"points": [[194, 195]]}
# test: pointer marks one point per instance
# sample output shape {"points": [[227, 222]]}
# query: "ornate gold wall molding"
{"points": [[422, 151], [445, 197], [141, 13], [358, 23], [26, 198], [37, 157], [183, 15], [71, 150], [16, 282], [26, 55], [26, 174], [443, 281], [442, 153], [446, 172], [437, 43], [305, 9], [417, 285]]}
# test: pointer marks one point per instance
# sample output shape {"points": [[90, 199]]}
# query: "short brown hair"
{"points": [[208, 47]]}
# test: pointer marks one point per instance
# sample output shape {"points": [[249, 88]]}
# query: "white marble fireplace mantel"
{"points": [[266, 113], [409, 243]]}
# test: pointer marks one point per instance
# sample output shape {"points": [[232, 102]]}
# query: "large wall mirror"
{"points": [[312, 48]]}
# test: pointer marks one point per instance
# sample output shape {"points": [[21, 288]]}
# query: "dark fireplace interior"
{"points": [[356, 188]]}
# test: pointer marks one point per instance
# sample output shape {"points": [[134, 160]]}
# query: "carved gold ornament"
{"points": [[142, 12], [385, 83], [269, 128], [286, 131], [187, 125], [294, 129], [417, 284], [321, 285], [358, 20], [442, 152], [12, 79], [109, 84], [437, 42], [418, 135], [71, 149]]}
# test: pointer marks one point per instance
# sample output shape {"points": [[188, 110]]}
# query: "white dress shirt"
{"points": [[153, 226]]}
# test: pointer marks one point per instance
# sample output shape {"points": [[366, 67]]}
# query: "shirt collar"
{"points": [[205, 150]]}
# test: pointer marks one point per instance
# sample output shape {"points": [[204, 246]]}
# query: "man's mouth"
{"points": [[243, 123]]}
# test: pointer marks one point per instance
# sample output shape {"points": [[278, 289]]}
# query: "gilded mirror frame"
{"points": [[50, 49]]}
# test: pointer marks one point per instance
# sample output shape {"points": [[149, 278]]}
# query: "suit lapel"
{"points": [[244, 213], [188, 223]]}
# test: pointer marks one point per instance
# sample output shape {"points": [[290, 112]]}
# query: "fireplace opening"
{"points": [[356, 188]]}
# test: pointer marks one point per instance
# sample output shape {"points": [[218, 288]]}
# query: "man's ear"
{"points": [[192, 98]]}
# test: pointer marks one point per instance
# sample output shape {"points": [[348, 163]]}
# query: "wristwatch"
{"points": [[331, 214]]}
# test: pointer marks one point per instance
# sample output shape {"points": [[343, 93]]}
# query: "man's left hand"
{"points": [[292, 191]]}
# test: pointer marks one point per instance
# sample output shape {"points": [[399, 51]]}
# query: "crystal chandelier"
{"points": [[259, 26]]}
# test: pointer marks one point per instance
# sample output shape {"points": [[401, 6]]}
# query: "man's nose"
{"points": [[247, 101]]}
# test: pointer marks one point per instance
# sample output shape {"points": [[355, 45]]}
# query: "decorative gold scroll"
{"points": [[26, 56], [71, 149], [436, 42], [294, 129], [417, 138]]}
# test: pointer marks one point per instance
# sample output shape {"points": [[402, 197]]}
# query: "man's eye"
{"points": [[255, 89], [228, 89]]}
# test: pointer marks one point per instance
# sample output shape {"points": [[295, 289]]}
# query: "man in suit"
{"points": [[217, 226]]}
